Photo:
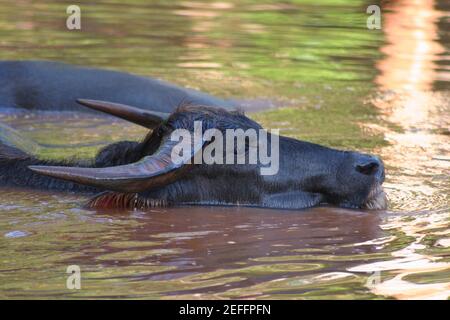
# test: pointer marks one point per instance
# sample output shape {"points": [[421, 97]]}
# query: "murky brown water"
{"points": [[385, 92]]}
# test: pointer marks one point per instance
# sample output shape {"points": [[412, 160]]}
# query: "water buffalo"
{"points": [[140, 175], [54, 86]]}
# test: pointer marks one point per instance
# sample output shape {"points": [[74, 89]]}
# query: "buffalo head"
{"points": [[142, 175]]}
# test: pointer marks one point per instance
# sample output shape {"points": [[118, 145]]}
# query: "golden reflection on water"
{"points": [[412, 47], [420, 145], [409, 67], [419, 150]]}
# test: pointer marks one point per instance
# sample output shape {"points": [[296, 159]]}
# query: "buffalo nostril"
{"points": [[369, 168]]}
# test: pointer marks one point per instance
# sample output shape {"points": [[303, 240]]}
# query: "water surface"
{"points": [[324, 76]]}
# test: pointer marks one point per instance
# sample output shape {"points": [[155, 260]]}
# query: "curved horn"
{"points": [[145, 118], [152, 171]]}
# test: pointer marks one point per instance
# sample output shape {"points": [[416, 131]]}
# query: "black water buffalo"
{"points": [[46, 85], [140, 175]]}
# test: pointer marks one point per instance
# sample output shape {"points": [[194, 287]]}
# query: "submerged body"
{"points": [[54, 86]]}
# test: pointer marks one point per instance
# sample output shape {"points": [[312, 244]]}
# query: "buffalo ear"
{"points": [[142, 117]]}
